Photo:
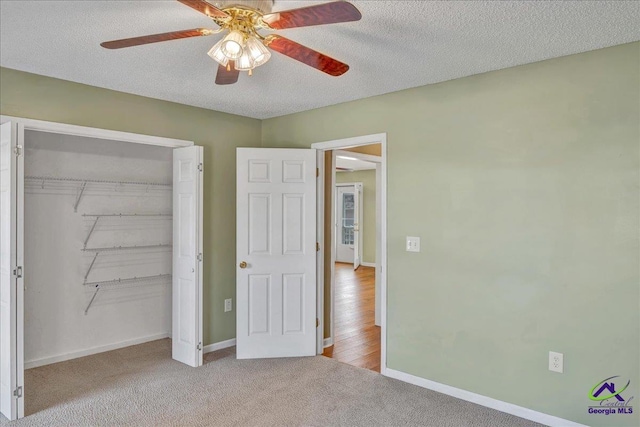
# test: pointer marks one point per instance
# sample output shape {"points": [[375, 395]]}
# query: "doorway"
{"points": [[353, 284]]}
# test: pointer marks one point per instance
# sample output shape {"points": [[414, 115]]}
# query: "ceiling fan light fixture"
{"points": [[232, 45], [258, 51], [216, 54], [245, 62]]}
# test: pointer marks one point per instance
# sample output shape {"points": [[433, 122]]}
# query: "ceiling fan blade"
{"points": [[227, 77], [327, 13], [206, 8], [312, 58], [155, 38]]}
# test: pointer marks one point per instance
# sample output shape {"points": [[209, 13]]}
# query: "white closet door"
{"points": [[187, 255], [11, 283], [276, 253]]}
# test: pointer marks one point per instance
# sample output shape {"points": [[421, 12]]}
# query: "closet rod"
{"points": [[133, 214], [122, 248], [97, 181]]}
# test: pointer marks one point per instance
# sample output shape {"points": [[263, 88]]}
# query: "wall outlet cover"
{"points": [[228, 305], [556, 362]]}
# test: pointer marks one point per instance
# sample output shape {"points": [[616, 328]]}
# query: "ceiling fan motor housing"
{"points": [[263, 6]]}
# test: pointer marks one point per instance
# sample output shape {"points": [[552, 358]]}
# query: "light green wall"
{"points": [[524, 186], [44, 98], [368, 229]]}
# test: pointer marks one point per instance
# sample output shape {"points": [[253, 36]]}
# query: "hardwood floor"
{"points": [[356, 337]]}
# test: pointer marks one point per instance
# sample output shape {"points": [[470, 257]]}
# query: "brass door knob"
{"points": [[243, 264]]}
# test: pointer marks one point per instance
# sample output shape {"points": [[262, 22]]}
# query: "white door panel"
{"points": [[276, 238], [187, 259], [11, 282], [357, 227]]}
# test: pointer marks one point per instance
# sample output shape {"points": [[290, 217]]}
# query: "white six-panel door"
{"points": [[187, 256], [276, 253], [11, 282]]}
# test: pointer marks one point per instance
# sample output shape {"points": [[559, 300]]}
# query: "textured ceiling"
{"points": [[397, 45]]}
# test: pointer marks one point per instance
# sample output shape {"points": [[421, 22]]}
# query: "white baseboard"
{"points": [[219, 345], [509, 408], [328, 342], [368, 264], [94, 350]]}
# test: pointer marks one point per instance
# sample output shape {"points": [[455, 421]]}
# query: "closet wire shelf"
{"points": [[115, 248], [116, 282], [118, 215], [80, 185], [124, 248]]}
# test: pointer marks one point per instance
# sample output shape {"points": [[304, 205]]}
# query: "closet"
{"points": [[102, 231], [97, 245]]}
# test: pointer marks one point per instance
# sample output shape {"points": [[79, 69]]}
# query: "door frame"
{"points": [[333, 145], [24, 124], [359, 213]]}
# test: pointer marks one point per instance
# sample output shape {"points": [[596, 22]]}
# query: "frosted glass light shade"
{"points": [[245, 62], [258, 51], [216, 53], [232, 45]]}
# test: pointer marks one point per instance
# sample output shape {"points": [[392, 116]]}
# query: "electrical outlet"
{"points": [[556, 362], [227, 305], [413, 244]]}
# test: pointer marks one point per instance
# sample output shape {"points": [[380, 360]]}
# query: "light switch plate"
{"points": [[413, 244], [228, 305]]}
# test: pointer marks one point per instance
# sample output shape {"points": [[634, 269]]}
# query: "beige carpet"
{"points": [[142, 386]]}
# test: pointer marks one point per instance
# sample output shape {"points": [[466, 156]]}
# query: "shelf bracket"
{"points": [[86, 276], [75, 207], [90, 231], [86, 310]]}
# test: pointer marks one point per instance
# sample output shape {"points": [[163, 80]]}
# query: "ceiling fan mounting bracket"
{"points": [[261, 6], [243, 19]]}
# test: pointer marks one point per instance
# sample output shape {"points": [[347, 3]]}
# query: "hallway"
{"points": [[356, 338]]}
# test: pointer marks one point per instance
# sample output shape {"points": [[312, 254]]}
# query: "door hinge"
{"points": [[317, 322], [317, 172], [200, 257], [199, 346], [18, 392], [317, 247], [200, 167], [17, 272], [18, 150]]}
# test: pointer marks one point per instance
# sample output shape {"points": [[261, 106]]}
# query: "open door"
{"points": [[187, 256], [348, 213], [11, 282], [276, 253], [357, 235]]}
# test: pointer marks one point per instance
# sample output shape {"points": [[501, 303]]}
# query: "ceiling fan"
{"points": [[243, 47]]}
